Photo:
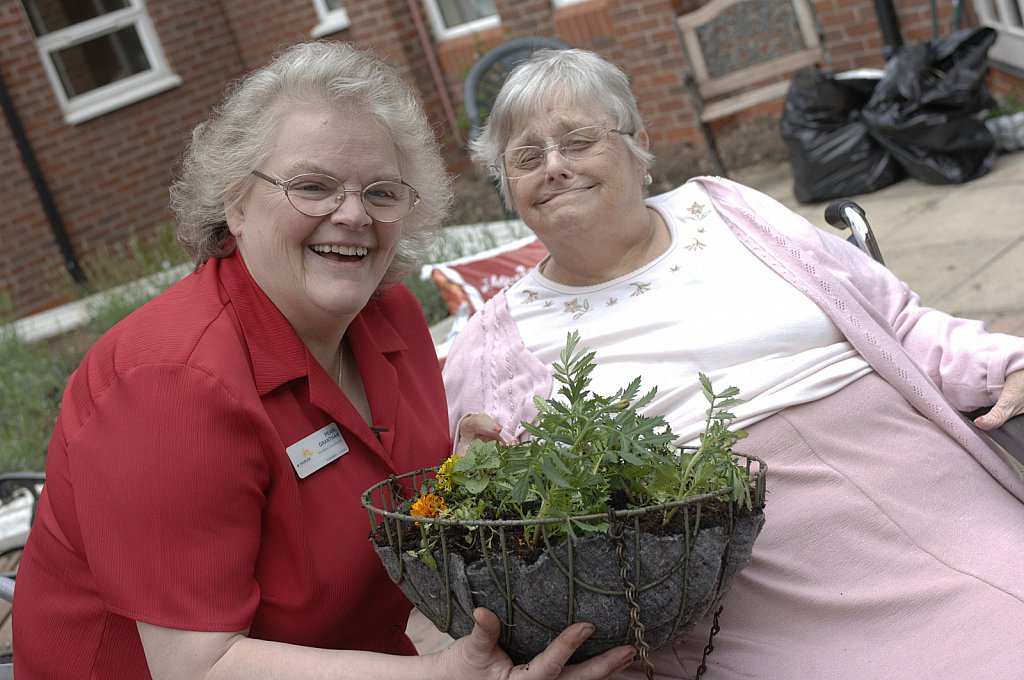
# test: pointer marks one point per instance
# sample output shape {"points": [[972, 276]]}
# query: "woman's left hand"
{"points": [[476, 426], [478, 657], [1010, 403]]}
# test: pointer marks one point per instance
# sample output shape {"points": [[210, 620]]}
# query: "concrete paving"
{"points": [[960, 247]]}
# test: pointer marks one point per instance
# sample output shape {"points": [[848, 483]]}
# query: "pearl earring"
{"points": [[648, 180]]}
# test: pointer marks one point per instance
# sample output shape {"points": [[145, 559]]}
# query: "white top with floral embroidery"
{"points": [[700, 306]]}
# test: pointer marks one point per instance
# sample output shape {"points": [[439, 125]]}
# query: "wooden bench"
{"points": [[741, 53]]}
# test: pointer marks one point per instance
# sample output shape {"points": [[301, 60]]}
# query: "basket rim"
{"points": [[756, 483]]}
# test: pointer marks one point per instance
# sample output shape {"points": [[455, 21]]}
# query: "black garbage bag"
{"points": [[830, 150], [928, 108]]}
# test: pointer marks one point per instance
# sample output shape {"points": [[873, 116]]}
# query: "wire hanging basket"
{"points": [[637, 586]]}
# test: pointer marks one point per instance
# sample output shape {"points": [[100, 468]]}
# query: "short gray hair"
{"points": [[578, 76], [238, 137]]}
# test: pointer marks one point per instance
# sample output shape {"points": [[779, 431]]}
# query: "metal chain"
{"points": [[710, 647], [616, 529]]}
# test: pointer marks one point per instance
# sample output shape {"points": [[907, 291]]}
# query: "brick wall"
{"points": [[110, 174], [26, 255], [1002, 84]]}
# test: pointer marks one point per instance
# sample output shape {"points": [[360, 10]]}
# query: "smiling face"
{"points": [[566, 198], [319, 271]]}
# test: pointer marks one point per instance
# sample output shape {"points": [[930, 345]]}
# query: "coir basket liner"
{"points": [[636, 587]]}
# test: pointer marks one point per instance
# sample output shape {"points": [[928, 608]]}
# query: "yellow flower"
{"points": [[444, 473], [429, 505]]}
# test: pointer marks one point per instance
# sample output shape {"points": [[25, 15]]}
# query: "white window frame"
{"points": [[118, 94], [559, 4], [443, 33], [330, 20], [1009, 46]]}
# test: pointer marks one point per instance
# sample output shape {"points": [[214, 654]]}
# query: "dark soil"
{"points": [[713, 513], [741, 144]]}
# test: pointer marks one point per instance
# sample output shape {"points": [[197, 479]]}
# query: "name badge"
{"points": [[311, 453]]}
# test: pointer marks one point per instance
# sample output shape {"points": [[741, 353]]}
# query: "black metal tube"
{"points": [[28, 157], [890, 25]]}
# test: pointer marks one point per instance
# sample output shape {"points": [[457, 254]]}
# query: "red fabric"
{"points": [[170, 499], [475, 279]]}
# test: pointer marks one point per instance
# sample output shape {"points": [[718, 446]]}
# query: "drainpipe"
{"points": [[890, 26], [435, 71], [28, 157], [234, 36]]}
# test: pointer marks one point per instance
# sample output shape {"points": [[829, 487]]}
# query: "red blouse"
{"points": [[170, 498]]}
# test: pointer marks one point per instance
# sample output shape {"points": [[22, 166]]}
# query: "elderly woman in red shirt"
{"points": [[201, 514]]}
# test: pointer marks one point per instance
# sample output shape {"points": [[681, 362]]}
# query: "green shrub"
{"points": [[31, 383], [1008, 104], [429, 298]]}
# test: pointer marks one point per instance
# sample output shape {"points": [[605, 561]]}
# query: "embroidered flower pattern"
{"points": [[611, 302], [530, 296], [698, 210], [577, 308], [639, 289], [696, 245]]}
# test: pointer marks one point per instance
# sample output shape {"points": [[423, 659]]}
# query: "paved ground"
{"points": [[960, 247]]}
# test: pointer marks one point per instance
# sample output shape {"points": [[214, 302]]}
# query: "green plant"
{"points": [[587, 452], [129, 274], [1008, 104], [31, 382], [430, 299]]}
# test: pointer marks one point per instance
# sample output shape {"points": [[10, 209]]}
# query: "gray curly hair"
{"points": [[579, 76], [238, 137]]}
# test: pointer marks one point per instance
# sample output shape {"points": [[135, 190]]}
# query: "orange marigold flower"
{"points": [[429, 505]]}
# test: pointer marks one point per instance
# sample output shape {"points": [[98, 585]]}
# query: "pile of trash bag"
{"points": [[923, 116], [1008, 131], [831, 151]]}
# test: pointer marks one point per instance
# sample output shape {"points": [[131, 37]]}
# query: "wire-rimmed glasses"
{"points": [[316, 195], [576, 145]]}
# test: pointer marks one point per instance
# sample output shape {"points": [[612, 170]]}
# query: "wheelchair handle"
{"points": [[835, 212], [847, 214]]}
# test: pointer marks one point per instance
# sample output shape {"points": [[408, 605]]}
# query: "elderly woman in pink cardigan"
{"points": [[893, 543]]}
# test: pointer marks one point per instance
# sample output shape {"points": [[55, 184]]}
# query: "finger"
{"points": [[549, 663], [603, 666], [994, 419], [479, 425], [477, 655], [1009, 403], [476, 426], [487, 626]]}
